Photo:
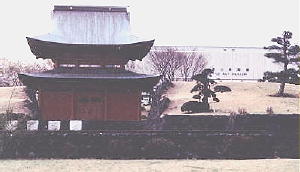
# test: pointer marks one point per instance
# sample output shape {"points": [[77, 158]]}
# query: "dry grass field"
{"points": [[250, 96], [87, 165], [16, 101], [253, 97]]}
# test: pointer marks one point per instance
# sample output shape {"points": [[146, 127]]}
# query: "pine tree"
{"points": [[203, 87], [284, 53], [204, 92]]}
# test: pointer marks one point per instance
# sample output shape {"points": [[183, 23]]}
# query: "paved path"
{"points": [[86, 165]]}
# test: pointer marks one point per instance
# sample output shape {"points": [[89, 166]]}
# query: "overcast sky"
{"points": [[171, 22]]}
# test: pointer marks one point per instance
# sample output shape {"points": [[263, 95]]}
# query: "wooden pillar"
{"points": [[77, 64], [139, 104], [40, 103], [56, 63], [74, 100], [105, 104]]}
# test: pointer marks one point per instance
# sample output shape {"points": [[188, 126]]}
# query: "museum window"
{"points": [[229, 69], [247, 69], [238, 69]]}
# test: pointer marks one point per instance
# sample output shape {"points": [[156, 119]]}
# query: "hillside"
{"points": [[250, 96]]}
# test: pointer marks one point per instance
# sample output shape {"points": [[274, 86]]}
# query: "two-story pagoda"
{"points": [[89, 47]]}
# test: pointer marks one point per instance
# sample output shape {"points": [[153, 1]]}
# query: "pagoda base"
{"points": [[89, 93], [104, 105]]}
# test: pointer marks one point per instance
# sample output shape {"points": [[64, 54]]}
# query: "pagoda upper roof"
{"points": [[104, 8], [48, 49], [90, 32]]}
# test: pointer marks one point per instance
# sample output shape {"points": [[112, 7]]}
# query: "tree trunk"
{"points": [[205, 99], [185, 77], [281, 88], [283, 81]]}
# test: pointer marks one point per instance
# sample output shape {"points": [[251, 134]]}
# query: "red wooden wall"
{"points": [[89, 105], [56, 105], [98, 105], [123, 106]]}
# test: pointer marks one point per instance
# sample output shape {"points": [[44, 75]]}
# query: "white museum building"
{"points": [[232, 63]]}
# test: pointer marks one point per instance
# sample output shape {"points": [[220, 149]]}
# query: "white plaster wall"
{"points": [[223, 58], [86, 27]]}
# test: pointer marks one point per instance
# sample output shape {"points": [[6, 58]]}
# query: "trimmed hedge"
{"points": [[141, 145], [181, 137], [276, 123]]}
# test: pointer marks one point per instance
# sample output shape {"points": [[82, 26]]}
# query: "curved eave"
{"points": [[144, 82], [55, 50]]}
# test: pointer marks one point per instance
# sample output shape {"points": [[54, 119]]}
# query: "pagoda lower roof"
{"points": [[50, 46], [89, 76], [89, 73]]}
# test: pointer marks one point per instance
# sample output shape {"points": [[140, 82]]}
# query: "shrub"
{"points": [[221, 88], [269, 110], [242, 111], [204, 92]]}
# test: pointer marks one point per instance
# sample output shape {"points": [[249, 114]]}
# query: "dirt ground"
{"points": [[260, 165], [16, 102], [253, 97]]}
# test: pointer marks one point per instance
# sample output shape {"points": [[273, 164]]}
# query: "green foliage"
{"points": [[289, 76], [284, 53], [31, 102], [204, 92], [8, 117], [203, 86]]}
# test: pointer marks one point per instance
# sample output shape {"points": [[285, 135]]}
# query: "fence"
{"points": [[72, 125]]}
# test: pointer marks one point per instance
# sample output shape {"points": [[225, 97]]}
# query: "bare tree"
{"points": [[192, 63], [10, 70], [130, 66], [166, 62]]}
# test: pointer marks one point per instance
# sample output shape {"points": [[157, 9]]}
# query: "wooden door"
{"points": [[89, 106]]}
